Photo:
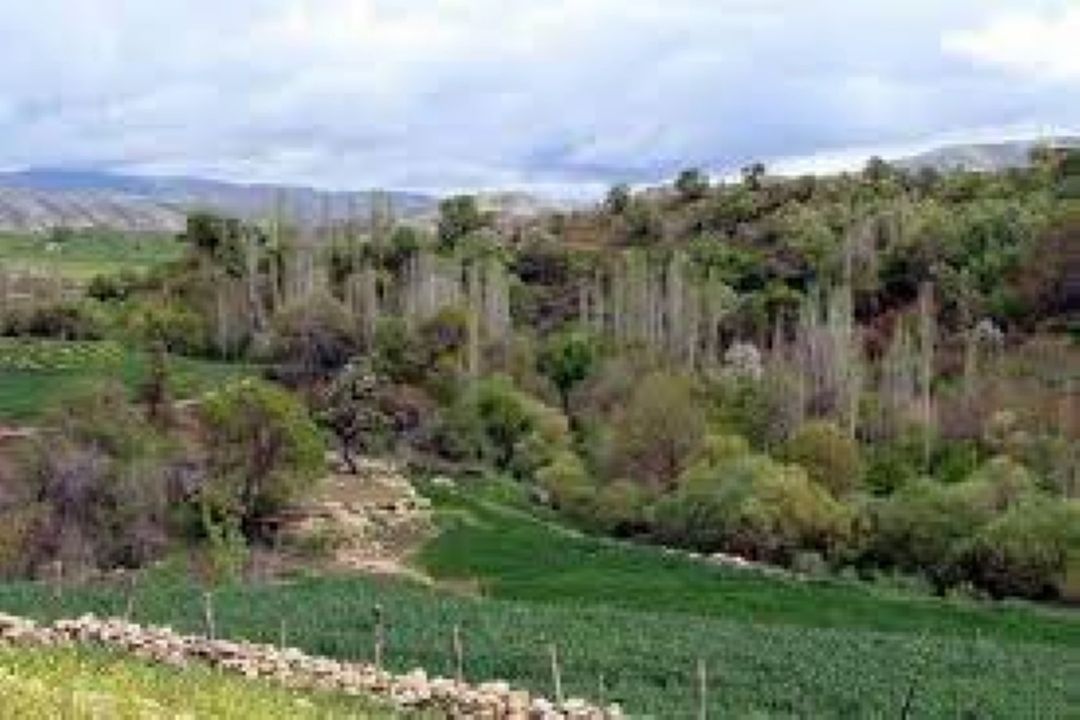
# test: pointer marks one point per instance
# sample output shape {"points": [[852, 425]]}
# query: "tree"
{"points": [[754, 176], [656, 436], [459, 217], [618, 199], [692, 184], [262, 449], [567, 359], [313, 338], [829, 455], [352, 410], [99, 480]]}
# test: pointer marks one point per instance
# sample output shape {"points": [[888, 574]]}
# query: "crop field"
{"points": [[42, 684], [38, 375], [631, 624], [83, 256]]}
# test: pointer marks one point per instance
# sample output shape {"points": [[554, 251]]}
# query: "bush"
{"points": [[829, 455], [620, 508], [655, 437], [100, 487], [62, 321], [568, 485], [180, 328], [1026, 551], [313, 339], [263, 450], [755, 507]]}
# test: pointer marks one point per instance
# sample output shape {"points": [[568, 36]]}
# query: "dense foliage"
{"points": [[863, 372]]}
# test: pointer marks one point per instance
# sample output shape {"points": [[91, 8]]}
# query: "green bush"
{"points": [[657, 434], [1026, 551], [620, 508], [567, 483], [753, 506], [828, 454], [314, 338], [263, 450]]}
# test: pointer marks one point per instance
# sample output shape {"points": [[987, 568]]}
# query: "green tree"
{"points": [[692, 184], [352, 409], [657, 434], [567, 359], [263, 450], [828, 454], [459, 217], [618, 199]]}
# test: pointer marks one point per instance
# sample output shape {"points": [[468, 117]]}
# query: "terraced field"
{"points": [[38, 375], [83, 256], [631, 624]]}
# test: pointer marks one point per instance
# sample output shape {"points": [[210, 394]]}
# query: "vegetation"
{"points": [[642, 619], [864, 376], [77, 684]]}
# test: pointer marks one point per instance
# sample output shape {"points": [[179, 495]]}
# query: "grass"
{"points": [[86, 255], [38, 375], [641, 620], [43, 684], [512, 555]]}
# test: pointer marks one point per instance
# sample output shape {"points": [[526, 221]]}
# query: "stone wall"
{"points": [[293, 668]]}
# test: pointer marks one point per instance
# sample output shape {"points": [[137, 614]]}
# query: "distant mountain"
{"points": [[983, 157], [23, 210], [36, 199]]}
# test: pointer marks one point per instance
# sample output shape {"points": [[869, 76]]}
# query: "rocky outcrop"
{"points": [[293, 668]]}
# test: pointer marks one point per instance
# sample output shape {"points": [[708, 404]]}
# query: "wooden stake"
{"points": [[556, 675], [703, 690], [208, 614], [283, 636], [459, 655], [129, 611], [379, 637]]}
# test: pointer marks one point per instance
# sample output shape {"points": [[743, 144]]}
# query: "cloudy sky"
{"points": [[448, 94]]}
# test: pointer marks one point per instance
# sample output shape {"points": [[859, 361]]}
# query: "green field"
{"points": [[85, 255], [38, 375], [639, 621], [45, 684]]}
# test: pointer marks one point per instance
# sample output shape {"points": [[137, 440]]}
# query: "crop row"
{"points": [[646, 661]]}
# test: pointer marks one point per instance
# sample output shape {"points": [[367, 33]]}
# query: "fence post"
{"points": [[459, 655], [379, 638], [129, 609], [703, 690], [556, 674], [208, 614], [283, 635]]}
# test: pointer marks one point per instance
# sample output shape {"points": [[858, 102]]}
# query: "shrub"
{"points": [[61, 321], [1026, 551], [100, 487], [751, 505], [568, 485], [658, 433], [620, 508], [829, 455], [314, 338], [180, 328], [263, 450]]}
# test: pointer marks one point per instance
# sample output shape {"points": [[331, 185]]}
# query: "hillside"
{"points": [[38, 199], [982, 157], [36, 211]]}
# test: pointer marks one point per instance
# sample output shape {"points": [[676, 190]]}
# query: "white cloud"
{"points": [[462, 93], [1036, 46]]}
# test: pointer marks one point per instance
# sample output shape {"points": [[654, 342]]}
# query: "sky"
{"points": [[536, 94]]}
